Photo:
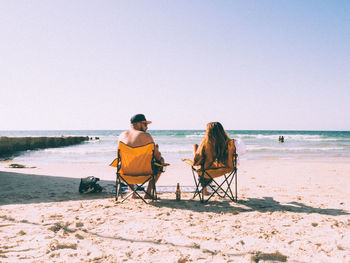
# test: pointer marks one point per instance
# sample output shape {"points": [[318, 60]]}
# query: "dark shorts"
{"points": [[158, 169]]}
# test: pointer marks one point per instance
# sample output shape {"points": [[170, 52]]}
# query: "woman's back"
{"points": [[207, 156], [216, 149]]}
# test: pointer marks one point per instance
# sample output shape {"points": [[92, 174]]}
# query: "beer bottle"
{"points": [[178, 192]]}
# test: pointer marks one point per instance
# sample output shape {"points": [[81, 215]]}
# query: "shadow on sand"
{"points": [[265, 204], [18, 188]]}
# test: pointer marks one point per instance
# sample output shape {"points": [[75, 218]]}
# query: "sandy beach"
{"points": [[266, 82], [288, 211]]}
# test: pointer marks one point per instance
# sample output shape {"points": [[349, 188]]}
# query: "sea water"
{"points": [[177, 144]]}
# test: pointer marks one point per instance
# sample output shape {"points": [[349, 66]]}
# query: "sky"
{"points": [[257, 65]]}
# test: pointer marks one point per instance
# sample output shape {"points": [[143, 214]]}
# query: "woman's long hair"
{"points": [[216, 140]]}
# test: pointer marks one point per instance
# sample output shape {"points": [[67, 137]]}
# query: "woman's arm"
{"points": [[198, 155]]}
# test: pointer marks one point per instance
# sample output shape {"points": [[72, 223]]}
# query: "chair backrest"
{"points": [[217, 170], [136, 160]]}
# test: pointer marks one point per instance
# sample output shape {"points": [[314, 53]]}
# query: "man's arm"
{"points": [[122, 137], [157, 154]]}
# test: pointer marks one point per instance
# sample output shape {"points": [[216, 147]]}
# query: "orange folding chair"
{"points": [[136, 166], [210, 178]]}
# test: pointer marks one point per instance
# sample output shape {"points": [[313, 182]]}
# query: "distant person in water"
{"points": [[214, 150], [137, 136], [281, 139]]}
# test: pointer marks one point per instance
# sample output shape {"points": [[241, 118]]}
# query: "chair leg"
{"points": [[229, 183], [228, 192], [235, 185], [196, 192], [136, 186], [154, 192], [224, 186], [117, 188]]}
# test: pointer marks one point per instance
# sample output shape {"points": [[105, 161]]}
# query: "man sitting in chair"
{"points": [[137, 136]]}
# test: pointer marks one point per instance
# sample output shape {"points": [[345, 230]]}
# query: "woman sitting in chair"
{"points": [[214, 150]]}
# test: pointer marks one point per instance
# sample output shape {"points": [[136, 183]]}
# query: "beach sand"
{"points": [[288, 211]]}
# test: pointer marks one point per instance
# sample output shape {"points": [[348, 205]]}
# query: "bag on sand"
{"points": [[89, 185]]}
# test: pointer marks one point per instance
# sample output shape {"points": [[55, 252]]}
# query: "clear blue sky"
{"points": [[248, 64]]}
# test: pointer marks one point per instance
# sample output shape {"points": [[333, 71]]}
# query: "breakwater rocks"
{"points": [[12, 145]]}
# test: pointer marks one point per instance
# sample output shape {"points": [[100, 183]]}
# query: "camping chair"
{"points": [[137, 166], [206, 177]]}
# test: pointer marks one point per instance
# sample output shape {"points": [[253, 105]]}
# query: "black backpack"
{"points": [[89, 185]]}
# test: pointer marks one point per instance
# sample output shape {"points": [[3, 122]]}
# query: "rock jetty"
{"points": [[12, 145]]}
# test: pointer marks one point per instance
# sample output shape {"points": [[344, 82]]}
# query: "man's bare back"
{"points": [[137, 136]]}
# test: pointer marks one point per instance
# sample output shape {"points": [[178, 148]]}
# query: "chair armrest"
{"points": [[115, 162], [195, 168], [188, 161], [161, 164]]}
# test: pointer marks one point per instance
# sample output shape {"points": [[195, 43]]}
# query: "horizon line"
{"points": [[301, 130]]}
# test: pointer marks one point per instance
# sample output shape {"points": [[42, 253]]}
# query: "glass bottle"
{"points": [[178, 192]]}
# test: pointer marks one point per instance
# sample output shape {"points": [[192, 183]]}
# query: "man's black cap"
{"points": [[138, 118]]}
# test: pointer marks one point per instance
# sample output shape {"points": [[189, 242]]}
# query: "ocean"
{"points": [[177, 144]]}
